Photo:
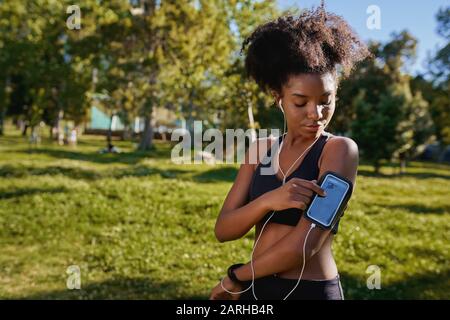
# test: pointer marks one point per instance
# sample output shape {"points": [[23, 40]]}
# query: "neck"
{"points": [[298, 139]]}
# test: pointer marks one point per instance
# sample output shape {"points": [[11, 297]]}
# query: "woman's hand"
{"points": [[217, 293], [296, 193]]}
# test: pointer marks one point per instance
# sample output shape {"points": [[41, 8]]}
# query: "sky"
{"points": [[416, 16]]}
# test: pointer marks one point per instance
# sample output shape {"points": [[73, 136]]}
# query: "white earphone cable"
{"points": [[252, 286], [273, 212], [313, 225]]}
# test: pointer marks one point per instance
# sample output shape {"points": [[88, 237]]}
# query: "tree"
{"points": [[390, 121], [198, 48], [440, 72], [439, 102], [440, 63], [44, 75]]}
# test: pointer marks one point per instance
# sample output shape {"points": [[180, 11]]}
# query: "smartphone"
{"points": [[325, 211]]}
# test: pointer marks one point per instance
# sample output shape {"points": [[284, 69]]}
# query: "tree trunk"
{"points": [[54, 135], [402, 164], [376, 166], [25, 129], [127, 133], [2, 121], [147, 135], [109, 135]]}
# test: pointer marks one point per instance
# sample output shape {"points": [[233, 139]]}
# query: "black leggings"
{"points": [[276, 288]]}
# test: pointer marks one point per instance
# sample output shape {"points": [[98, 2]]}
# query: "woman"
{"points": [[296, 59]]}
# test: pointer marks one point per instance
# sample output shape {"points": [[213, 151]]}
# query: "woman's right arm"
{"points": [[236, 217]]}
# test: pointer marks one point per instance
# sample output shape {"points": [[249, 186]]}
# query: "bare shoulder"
{"points": [[339, 144], [340, 154]]}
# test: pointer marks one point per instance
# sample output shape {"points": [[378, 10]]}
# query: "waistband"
{"points": [[334, 280]]}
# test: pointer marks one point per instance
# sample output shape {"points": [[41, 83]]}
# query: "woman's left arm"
{"points": [[339, 155]]}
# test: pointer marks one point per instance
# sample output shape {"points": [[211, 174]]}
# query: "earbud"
{"points": [[281, 107], [284, 117]]}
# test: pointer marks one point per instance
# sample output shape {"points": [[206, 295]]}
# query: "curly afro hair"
{"points": [[316, 41]]}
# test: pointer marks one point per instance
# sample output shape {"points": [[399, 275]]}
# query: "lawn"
{"points": [[141, 227]]}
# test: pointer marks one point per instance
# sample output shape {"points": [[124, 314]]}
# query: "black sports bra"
{"points": [[308, 170]]}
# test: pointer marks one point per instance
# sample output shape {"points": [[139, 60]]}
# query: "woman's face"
{"points": [[308, 101]]}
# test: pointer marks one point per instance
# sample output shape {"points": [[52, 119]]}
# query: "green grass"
{"points": [[141, 227]]}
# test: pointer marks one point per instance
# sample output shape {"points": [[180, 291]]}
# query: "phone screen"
{"points": [[324, 209]]}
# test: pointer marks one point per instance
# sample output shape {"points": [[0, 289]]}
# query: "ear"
{"points": [[275, 96]]}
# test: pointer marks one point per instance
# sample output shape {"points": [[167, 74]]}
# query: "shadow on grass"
{"points": [[22, 171], [83, 174], [144, 171], [96, 157], [29, 191], [119, 289], [417, 175], [419, 208], [227, 174], [422, 286], [213, 175]]}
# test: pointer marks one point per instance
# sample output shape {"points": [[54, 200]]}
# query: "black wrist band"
{"points": [[232, 275]]}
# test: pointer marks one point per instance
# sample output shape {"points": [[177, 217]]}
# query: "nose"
{"points": [[315, 112]]}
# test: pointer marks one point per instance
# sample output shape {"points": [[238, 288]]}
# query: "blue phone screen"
{"points": [[323, 209]]}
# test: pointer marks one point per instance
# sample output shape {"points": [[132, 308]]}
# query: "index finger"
{"points": [[310, 185]]}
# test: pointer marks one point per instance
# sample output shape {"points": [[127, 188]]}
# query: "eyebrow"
{"points": [[326, 93]]}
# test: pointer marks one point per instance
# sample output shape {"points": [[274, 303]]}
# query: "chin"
{"points": [[313, 133]]}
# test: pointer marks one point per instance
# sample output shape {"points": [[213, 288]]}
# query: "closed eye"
{"points": [[304, 104]]}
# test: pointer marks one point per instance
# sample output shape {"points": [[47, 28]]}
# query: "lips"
{"points": [[314, 127]]}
